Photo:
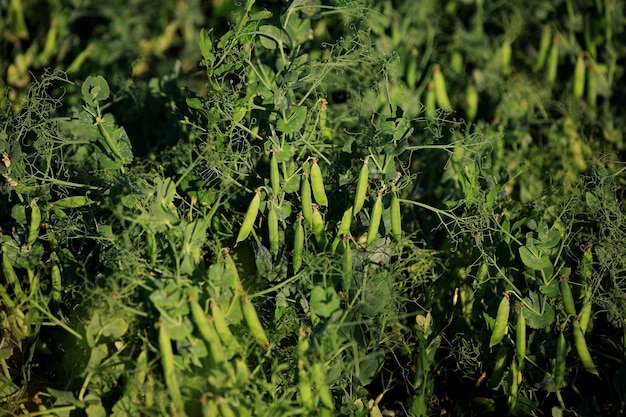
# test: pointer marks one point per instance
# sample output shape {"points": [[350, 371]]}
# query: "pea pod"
{"points": [[136, 380], [72, 202], [506, 52], [298, 244], [225, 408], [499, 367], [579, 77], [324, 128], [592, 86], [560, 360], [520, 337], [223, 331], [207, 330], [151, 244], [514, 380], [304, 387], [396, 217], [169, 371], [502, 320], [581, 348], [584, 317], [553, 61], [319, 229], [307, 199], [441, 93], [361, 188], [317, 184], [566, 295], [321, 387], [11, 277], [274, 173], [209, 407], [344, 228], [35, 222], [57, 288], [471, 101], [375, 217], [252, 321], [272, 227], [544, 46], [250, 217], [430, 101], [346, 264]]}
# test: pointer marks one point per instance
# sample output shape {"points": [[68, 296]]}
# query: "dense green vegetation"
{"points": [[312, 208]]}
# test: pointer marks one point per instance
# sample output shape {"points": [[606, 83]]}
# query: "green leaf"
{"points": [[534, 261], [206, 47], [272, 36], [537, 311], [324, 302], [94, 89], [294, 121]]}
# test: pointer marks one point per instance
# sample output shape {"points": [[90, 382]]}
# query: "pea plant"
{"points": [[336, 208]]}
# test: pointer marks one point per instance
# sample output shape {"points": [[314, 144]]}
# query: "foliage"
{"points": [[312, 208]]}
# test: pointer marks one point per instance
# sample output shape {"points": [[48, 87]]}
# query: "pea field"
{"points": [[326, 208]]}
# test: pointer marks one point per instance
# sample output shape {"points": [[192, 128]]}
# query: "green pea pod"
{"points": [[344, 228], [441, 92], [361, 188], [207, 330], [307, 199], [347, 264], [169, 371], [395, 215], [319, 230], [544, 46], [566, 295], [317, 184], [272, 227], [11, 277], [72, 202], [579, 77], [375, 217], [553, 61], [35, 222], [592, 86], [514, 380], [298, 244], [252, 321], [430, 101], [584, 317], [223, 331], [321, 387], [502, 320], [520, 337], [274, 174], [250, 217], [499, 367], [304, 387], [581, 348], [57, 286], [560, 360], [471, 101]]}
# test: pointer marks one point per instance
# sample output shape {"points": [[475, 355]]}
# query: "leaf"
{"points": [[94, 89], [369, 366], [377, 293], [537, 312], [206, 47], [294, 121], [272, 36], [534, 261], [114, 328], [324, 302]]}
